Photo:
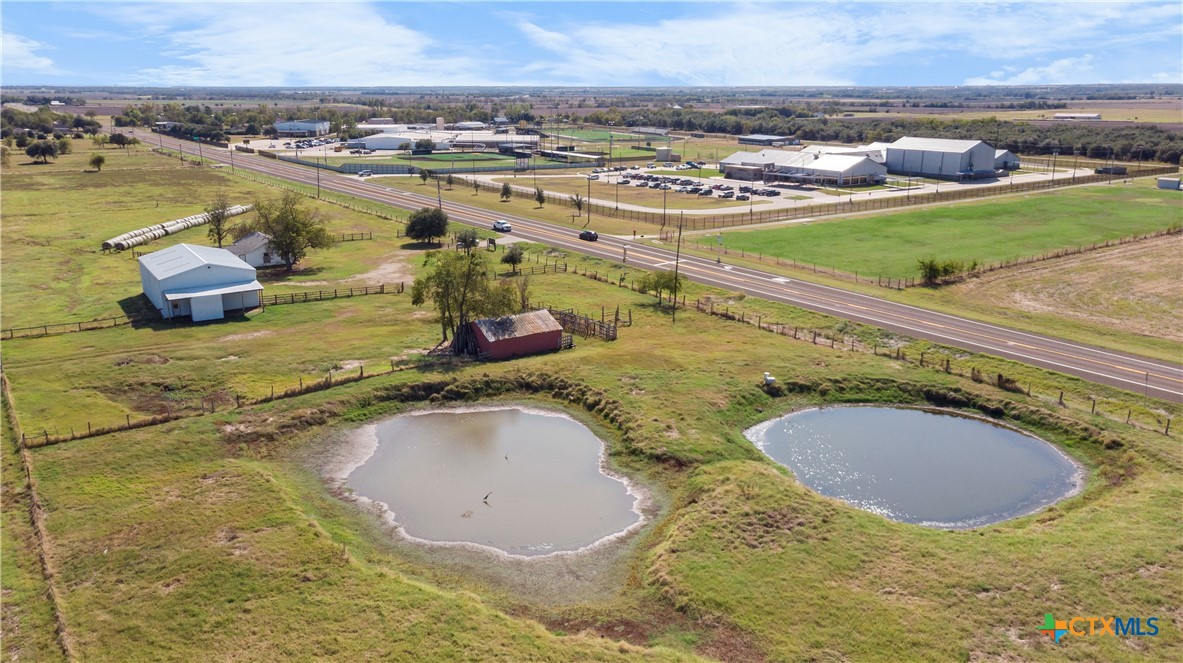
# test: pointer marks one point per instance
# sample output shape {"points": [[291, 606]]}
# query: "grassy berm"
{"points": [[213, 537]]}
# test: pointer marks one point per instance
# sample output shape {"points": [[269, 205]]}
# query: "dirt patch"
{"points": [[392, 270], [1133, 287], [246, 336], [153, 359]]}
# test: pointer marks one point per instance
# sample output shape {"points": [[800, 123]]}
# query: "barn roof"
{"points": [[516, 326], [185, 257], [248, 243]]}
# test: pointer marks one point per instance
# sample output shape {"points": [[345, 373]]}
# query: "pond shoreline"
{"points": [[757, 436]]}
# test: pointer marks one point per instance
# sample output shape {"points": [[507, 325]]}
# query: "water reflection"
{"points": [[523, 482], [918, 466]]}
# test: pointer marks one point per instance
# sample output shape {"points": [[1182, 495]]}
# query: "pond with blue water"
{"points": [[917, 466]]}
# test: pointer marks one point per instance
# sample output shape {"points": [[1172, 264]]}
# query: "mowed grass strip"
{"points": [[890, 245]]}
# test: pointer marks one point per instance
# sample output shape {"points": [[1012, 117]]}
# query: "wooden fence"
{"points": [[52, 328], [353, 237], [337, 293]]}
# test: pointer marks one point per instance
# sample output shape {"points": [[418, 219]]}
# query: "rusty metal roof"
{"points": [[516, 326]]}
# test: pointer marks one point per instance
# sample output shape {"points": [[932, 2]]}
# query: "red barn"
{"points": [[517, 335]]}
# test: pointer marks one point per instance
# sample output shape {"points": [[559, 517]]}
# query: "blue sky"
{"points": [[603, 43]]}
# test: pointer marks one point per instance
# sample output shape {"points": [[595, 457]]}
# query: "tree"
{"points": [[460, 288], [476, 186], [124, 141], [467, 239], [577, 203], [5, 156], [425, 144], [100, 140], [522, 285], [539, 196], [424, 174], [449, 180], [658, 282], [427, 223], [506, 192], [43, 150], [292, 227], [219, 219], [97, 162], [64, 146], [513, 256]]}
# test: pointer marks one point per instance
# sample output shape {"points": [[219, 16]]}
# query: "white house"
{"points": [[255, 250], [940, 157], [198, 281]]}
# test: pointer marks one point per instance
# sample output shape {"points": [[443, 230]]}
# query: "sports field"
{"points": [[890, 245]]}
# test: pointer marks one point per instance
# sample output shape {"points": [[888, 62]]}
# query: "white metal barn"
{"points": [[940, 157], [255, 250], [198, 281]]}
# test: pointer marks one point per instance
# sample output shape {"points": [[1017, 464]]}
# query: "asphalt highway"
{"points": [[1152, 377]]}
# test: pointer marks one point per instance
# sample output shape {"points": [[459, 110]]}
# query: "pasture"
{"points": [[214, 537], [890, 245]]}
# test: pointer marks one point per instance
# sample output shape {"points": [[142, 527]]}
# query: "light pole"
{"points": [[231, 159], [588, 203], [1055, 153], [200, 158], [439, 196], [1075, 160], [318, 177]]}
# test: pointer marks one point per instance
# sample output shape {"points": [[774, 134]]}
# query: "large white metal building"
{"points": [[302, 128], [940, 157], [810, 167], [202, 282]]}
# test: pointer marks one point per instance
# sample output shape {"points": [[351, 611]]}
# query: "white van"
{"points": [[364, 173]]}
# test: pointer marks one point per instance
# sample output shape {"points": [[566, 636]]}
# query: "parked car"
{"points": [[364, 173], [593, 177], [502, 225], [706, 192], [743, 196], [589, 236], [726, 194]]}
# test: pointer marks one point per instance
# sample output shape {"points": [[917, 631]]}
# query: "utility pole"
{"points": [[677, 261]]}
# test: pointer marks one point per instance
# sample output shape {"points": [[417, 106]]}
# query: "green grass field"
{"points": [[1008, 229], [212, 538], [598, 135]]}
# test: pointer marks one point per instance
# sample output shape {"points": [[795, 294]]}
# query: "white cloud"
{"points": [[808, 44], [20, 56], [1060, 72], [342, 44]]}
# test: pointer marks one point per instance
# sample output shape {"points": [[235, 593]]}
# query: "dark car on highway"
{"points": [[589, 235]]}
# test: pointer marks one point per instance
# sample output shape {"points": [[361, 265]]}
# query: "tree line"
{"points": [[1126, 142]]}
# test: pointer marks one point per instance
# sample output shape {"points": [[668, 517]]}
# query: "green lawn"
{"points": [[890, 245]]}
